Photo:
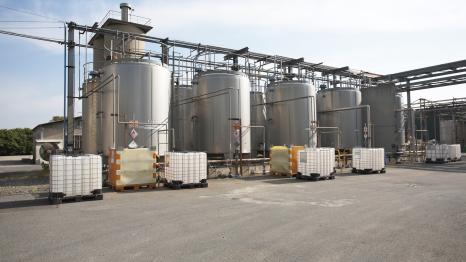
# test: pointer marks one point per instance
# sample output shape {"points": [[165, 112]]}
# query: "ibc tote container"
{"points": [[454, 152], [72, 176], [316, 162], [284, 160], [437, 153], [368, 159], [186, 168]]}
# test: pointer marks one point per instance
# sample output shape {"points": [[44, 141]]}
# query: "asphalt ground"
{"points": [[411, 213]]}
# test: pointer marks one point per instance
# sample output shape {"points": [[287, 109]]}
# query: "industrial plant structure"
{"points": [[170, 95], [181, 96]]}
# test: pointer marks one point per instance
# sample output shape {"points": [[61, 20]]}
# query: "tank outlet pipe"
{"points": [[338, 132], [263, 143], [312, 117], [368, 114]]}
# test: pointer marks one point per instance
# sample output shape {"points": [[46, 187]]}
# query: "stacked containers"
{"points": [[368, 159], [186, 167], [316, 162], [75, 176]]}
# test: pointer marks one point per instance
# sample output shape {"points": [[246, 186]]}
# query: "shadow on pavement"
{"points": [[453, 167], [40, 201], [14, 162], [290, 180], [260, 178], [22, 178]]}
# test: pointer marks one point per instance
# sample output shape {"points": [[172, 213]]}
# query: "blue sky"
{"points": [[377, 36]]}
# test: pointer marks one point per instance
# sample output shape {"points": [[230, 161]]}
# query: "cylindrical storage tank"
{"points": [[399, 121], [183, 112], [447, 132], [349, 122], [258, 118], [89, 109], [291, 110], [139, 92], [222, 106], [98, 53]]}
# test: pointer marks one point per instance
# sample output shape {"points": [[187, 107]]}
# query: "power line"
{"points": [[47, 39], [31, 27], [30, 13], [28, 21], [42, 38]]}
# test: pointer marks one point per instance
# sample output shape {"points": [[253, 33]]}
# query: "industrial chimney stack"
{"points": [[125, 8]]}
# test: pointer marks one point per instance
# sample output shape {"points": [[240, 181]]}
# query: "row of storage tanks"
{"points": [[207, 115]]}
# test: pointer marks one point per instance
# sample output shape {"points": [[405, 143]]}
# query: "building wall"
{"points": [[53, 133]]}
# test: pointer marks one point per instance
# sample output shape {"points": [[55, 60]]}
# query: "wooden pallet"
{"points": [[180, 185], [437, 161], [315, 177], [273, 173], [367, 171], [58, 198], [121, 188]]}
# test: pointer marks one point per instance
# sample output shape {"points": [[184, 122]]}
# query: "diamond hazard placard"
{"points": [[133, 134]]}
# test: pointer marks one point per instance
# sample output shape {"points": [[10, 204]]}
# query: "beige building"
{"points": [[52, 133]]}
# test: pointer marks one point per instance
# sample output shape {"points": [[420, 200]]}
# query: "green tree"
{"points": [[17, 141], [56, 118]]}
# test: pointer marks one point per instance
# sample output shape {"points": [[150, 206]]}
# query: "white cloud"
{"points": [[310, 16], [336, 32], [26, 104]]}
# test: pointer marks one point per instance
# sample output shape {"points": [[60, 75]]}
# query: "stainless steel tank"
{"points": [[222, 101], [140, 92], [350, 122], [258, 118], [183, 112], [447, 132], [89, 109], [387, 123], [291, 110]]}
